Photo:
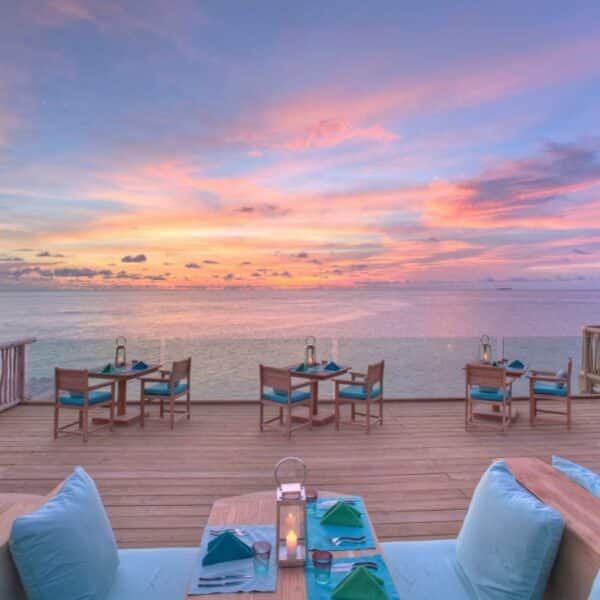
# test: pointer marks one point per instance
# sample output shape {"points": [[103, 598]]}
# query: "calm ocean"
{"points": [[425, 336]]}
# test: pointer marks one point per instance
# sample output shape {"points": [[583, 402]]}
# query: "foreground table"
{"points": [[259, 509], [121, 377], [315, 377]]}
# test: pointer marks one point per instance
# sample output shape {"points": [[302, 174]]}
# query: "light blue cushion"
{"points": [[549, 388], [509, 539], [587, 479], [153, 574], [77, 399], [357, 392], [66, 548], [162, 389], [282, 398], [427, 570], [595, 591], [486, 393]]}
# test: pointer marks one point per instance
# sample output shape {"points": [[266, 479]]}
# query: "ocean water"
{"points": [[425, 336]]}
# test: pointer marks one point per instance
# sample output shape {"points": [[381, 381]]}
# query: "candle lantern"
{"points": [[290, 476], [485, 349], [120, 351], [310, 351]]}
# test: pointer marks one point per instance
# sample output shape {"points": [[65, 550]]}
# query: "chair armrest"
{"points": [[100, 385], [350, 382], [354, 374], [551, 378], [535, 372], [153, 380], [301, 385], [164, 372]]}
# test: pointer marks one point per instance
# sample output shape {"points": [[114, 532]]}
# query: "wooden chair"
{"points": [[549, 387], [488, 385], [72, 391], [167, 388], [276, 388], [363, 389]]}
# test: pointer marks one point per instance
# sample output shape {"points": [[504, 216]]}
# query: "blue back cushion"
{"points": [[66, 548], [587, 479], [509, 539]]}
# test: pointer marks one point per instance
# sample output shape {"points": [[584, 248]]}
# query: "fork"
{"points": [[346, 539], [235, 530], [343, 567]]}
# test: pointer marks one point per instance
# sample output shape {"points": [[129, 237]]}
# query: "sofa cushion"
{"points": [[587, 479], [509, 539], [66, 548], [425, 570], [153, 573]]}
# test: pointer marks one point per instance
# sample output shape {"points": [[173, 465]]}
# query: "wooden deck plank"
{"points": [[416, 473]]}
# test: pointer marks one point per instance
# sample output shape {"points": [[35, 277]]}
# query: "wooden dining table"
{"points": [[259, 508], [122, 376], [315, 377]]}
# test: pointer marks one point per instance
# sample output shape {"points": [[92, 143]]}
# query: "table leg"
{"points": [[301, 412], [314, 390], [121, 397], [122, 417]]}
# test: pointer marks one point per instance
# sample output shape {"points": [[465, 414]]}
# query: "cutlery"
{"points": [[223, 577], [236, 530], [325, 503], [217, 584], [344, 567], [346, 539]]}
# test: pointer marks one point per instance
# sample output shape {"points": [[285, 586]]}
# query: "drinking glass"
{"points": [[311, 501], [322, 560], [262, 553]]}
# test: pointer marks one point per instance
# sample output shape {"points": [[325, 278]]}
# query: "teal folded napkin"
{"points": [[107, 368], [301, 368], [226, 546], [140, 366], [516, 364], [342, 514], [360, 584], [331, 366]]}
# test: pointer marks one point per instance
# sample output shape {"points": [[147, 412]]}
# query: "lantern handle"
{"points": [[310, 340], [119, 342], [290, 459]]}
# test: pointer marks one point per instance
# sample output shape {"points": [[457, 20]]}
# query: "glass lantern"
{"points": [[485, 349], [290, 476], [310, 351], [120, 351]]}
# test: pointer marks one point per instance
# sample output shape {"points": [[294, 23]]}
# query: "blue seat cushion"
{"points": [[486, 393], [548, 388], [357, 392], [509, 539], [282, 397], [77, 399], [162, 389], [153, 573], [66, 548], [427, 570], [587, 479]]}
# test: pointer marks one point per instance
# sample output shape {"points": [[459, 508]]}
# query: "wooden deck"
{"points": [[416, 473]]}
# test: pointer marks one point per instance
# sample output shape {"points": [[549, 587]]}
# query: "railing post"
{"points": [[12, 372]]}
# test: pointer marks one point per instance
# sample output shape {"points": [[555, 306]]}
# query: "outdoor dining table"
{"points": [[121, 375], [316, 375]]}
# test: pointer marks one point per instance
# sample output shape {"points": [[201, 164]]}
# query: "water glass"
{"points": [[322, 560], [262, 554], [311, 501]]}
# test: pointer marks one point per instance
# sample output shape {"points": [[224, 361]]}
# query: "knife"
{"points": [[219, 583], [222, 577]]}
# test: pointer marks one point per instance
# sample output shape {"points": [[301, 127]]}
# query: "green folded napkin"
{"points": [[107, 368], [301, 368], [360, 584], [224, 547], [342, 514]]}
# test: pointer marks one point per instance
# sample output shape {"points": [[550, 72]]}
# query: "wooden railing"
{"points": [[589, 380], [12, 372]]}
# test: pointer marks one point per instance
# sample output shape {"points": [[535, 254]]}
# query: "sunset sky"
{"points": [[289, 144]]}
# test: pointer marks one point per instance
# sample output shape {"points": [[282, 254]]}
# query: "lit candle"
{"points": [[291, 544]]}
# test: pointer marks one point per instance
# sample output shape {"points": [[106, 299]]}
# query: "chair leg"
{"points": [[352, 412], [568, 412], [142, 409], [56, 420], [172, 408], [189, 406], [85, 424], [112, 416], [261, 416], [337, 414], [381, 410], [466, 414], [162, 408], [281, 415], [289, 421], [310, 417], [368, 416]]}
